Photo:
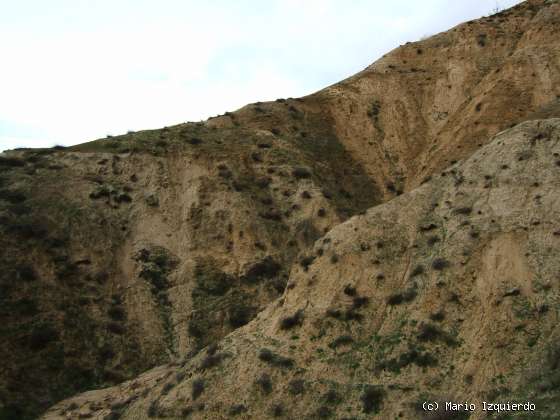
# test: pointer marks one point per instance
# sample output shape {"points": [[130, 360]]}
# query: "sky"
{"points": [[75, 70]]}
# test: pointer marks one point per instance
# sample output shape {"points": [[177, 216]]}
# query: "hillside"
{"points": [[299, 226], [449, 292]]}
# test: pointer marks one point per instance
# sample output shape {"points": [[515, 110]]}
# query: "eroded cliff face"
{"points": [[118, 262], [447, 292], [140, 250]]}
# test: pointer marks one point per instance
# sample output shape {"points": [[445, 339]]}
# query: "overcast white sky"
{"points": [[76, 70]]}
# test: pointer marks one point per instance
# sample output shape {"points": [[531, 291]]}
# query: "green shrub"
{"points": [[372, 399], [402, 297], [26, 307], [296, 387], [116, 328], [152, 200], [211, 280], [265, 269], [301, 173], [19, 209], [195, 330], [427, 227], [410, 356], [113, 415], [11, 162], [437, 316], [271, 214], [265, 383], [349, 290], [277, 410], [100, 192], [418, 270], [224, 171], [340, 341], [440, 264], [167, 387], [306, 261], [431, 332], [187, 411], [157, 263], [263, 182], [332, 397], [153, 409], [237, 409], [239, 316], [324, 412], [463, 210], [359, 301], [481, 39], [197, 388], [374, 109], [123, 198], [25, 272], [41, 336], [432, 240], [346, 315], [267, 356], [13, 197], [117, 313], [292, 321], [212, 360]]}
